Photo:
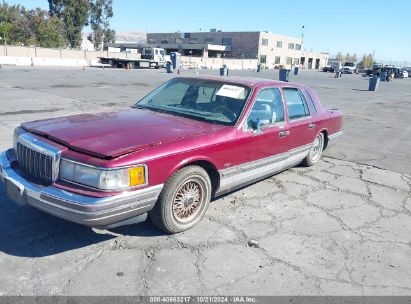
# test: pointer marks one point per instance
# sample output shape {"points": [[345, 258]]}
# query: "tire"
{"points": [[183, 201], [315, 152]]}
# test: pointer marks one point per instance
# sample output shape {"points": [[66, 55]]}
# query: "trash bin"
{"points": [[175, 59], [383, 76], [373, 85], [224, 70], [168, 67], [284, 75], [296, 71]]}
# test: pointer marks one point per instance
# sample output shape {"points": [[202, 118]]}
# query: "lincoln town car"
{"points": [[190, 140]]}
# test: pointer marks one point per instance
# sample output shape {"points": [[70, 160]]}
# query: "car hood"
{"points": [[109, 135]]}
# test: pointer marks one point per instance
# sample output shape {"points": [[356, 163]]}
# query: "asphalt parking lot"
{"points": [[342, 227]]}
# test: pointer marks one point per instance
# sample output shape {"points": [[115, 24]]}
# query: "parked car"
{"points": [[328, 69], [349, 68], [188, 141], [332, 66], [404, 74]]}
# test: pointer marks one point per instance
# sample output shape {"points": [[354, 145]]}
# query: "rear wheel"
{"points": [[183, 201], [315, 152]]}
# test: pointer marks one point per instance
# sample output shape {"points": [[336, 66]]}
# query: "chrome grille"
{"points": [[34, 163]]}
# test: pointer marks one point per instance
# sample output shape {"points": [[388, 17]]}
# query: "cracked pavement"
{"points": [[342, 227]]}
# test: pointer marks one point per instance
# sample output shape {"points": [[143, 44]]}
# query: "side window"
{"points": [[296, 103], [310, 98], [268, 109]]}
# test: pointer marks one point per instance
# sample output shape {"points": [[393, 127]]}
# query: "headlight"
{"points": [[103, 179]]}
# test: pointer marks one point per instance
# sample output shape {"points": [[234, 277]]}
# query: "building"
{"points": [[269, 49]]}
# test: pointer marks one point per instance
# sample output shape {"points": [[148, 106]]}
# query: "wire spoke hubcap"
{"points": [[187, 201], [317, 147]]}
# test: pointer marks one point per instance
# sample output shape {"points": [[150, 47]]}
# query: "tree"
{"points": [[100, 13], [74, 15], [354, 58], [5, 28], [10, 13], [48, 30], [20, 26], [339, 57], [367, 61]]}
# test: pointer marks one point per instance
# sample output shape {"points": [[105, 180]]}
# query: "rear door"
{"points": [[301, 130]]}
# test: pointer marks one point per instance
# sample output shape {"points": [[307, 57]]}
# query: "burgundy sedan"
{"points": [[189, 140]]}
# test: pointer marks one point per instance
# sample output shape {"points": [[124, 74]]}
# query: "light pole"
{"points": [[242, 61], [302, 36], [302, 49]]}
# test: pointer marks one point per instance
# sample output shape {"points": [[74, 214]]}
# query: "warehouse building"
{"points": [[269, 49]]}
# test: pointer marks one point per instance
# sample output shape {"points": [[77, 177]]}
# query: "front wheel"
{"points": [[183, 201], [315, 152]]}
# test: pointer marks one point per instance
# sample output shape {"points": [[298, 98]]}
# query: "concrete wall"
{"points": [[250, 44], [19, 55]]}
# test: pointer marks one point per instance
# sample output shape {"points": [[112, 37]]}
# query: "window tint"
{"points": [[310, 98], [296, 104], [267, 109]]}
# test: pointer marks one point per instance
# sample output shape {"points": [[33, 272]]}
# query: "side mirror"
{"points": [[256, 125]]}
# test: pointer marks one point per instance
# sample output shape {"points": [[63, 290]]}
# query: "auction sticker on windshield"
{"points": [[231, 91]]}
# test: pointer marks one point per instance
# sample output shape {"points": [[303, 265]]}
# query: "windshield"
{"points": [[205, 100], [350, 64]]}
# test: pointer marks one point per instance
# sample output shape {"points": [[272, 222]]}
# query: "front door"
{"points": [[262, 144]]}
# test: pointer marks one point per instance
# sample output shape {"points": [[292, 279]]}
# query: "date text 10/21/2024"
{"points": [[203, 299]]}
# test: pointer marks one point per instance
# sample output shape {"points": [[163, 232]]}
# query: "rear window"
{"points": [[296, 103], [311, 100]]}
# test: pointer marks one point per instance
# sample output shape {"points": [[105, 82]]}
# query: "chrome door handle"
{"points": [[311, 125], [283, 133]]}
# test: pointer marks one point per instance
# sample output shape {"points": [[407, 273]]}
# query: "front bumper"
{"points": [[85, 210]]}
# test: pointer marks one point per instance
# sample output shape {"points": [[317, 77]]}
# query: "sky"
{"points": [[363, 26]]}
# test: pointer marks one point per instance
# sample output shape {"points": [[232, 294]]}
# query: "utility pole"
{"points": [[302, 36], [242, 61]]}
